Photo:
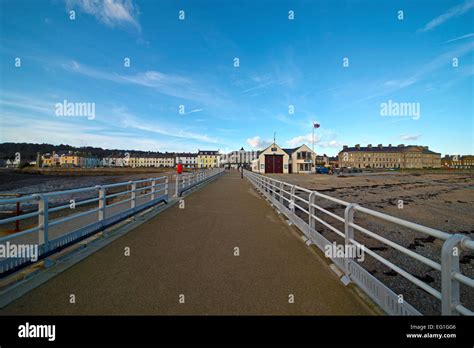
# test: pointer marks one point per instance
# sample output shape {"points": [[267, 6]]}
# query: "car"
{"points": [[322, 170]]}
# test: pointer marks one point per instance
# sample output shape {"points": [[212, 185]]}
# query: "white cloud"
{"points": [[421, 73], [318, 140], [109, 12], [330, 144], [257, 143], [73, 132], [168, 84], [460, 37], [303, 139], [130, 121], [18, 110], [410, 136], [453, 12], [193, 111]]}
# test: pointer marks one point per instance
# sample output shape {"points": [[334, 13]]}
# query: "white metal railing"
{"points": [[96, 212], [300, 206], [94, 208], [188, 181]]}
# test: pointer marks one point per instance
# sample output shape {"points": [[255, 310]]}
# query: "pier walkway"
{"points": [[227, 252]]}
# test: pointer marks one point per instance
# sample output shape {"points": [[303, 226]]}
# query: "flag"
{"points": [[316, 125]]}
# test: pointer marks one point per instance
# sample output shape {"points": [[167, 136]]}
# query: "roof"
{"points": [[391, 149], [209, 153], [290, 151]]}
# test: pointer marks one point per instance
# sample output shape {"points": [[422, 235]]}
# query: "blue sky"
{"points": [[283, 62]]}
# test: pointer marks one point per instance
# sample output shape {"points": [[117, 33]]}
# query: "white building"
{"points": [[188, 160], [275, 159], [114, 161]]}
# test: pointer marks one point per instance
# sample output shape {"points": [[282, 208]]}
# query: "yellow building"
{"points": [[50, 160], [47, 160], [70, 160], [208, 159]]}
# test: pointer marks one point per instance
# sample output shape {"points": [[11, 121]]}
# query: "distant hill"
{"points": [[28, 150]]}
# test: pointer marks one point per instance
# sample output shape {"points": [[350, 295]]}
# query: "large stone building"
{"points": [[275, 159], [401, 156], [458, 162]]}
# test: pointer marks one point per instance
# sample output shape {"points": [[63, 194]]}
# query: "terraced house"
{"points": [[153, 160], [401, 156], [208, 159], [188, 160]]}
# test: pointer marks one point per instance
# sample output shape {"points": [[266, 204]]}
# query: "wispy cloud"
{"points": [[460, 37], [453, 12], [303, 139], [174, 85], [14, 101], [324, 139], [426, 70], [109, 12], [410, 136], [257, 143], [129, 121], [38, 113], [193, 111]]}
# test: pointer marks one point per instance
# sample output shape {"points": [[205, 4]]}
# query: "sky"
{"points": [[332, 62]]}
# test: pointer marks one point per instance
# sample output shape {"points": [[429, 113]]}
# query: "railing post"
{"points": [[134, 194], [43, 221], [177, 185], [166, 187], [312, 210], [450, 297], [292, 199], [282, 200], [17, 213], [153, 189], [102, 202], [349, 234]]}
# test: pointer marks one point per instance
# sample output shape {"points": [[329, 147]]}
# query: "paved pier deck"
{"points": [[190, 251]]}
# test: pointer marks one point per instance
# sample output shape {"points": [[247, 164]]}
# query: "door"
{"points": [[273, 163]]}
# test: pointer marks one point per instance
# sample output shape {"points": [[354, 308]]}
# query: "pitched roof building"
{"points": [[275, 159], [400, 156]]}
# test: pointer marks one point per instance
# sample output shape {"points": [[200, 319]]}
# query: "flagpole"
{"points": [[312, 139]]}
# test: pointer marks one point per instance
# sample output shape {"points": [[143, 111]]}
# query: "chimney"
{"points": [[401, 145], [389, 145], [425, 147], [379, 146], [369, 146], [345, 147], [357, 146]]}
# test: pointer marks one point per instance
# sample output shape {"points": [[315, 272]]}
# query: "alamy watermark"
{"points": [[343, 251], [392, 108], [75, 109], [22, 251]]}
